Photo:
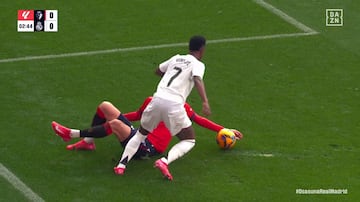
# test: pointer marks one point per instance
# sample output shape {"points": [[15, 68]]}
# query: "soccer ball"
{"points": [[225, 139]]}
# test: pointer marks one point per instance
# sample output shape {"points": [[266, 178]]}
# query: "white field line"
{"points": [[256, 154], [307, 31], [285, 16], [150, 47], [19, 185]]}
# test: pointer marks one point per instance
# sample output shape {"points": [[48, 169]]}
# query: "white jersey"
{"points": [[177, 82]]}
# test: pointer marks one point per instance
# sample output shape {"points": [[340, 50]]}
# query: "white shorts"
{"points": [[172, 113]]}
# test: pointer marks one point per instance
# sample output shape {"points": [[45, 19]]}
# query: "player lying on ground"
{"points": [[108, 119]]}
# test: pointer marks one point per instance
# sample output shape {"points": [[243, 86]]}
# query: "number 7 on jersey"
{"points": [[179, 70]]}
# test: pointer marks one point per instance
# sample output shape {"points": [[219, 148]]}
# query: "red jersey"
{"points": [[160, 137]]}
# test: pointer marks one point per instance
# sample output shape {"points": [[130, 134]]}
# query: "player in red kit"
{"points": [[108, 119]]}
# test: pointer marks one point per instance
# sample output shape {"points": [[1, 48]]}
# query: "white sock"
{"points": [[89, 140], [180, 149], [163, 159], [74, 133], [131, 148]]}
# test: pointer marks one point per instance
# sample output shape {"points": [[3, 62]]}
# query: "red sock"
{"points": [[99, 118], [100, 113], [108, 128]]}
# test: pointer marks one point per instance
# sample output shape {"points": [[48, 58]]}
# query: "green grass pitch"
{"points": [[296, 98]]}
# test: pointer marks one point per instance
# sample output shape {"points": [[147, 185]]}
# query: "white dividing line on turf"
{"points": [[285, 16], [257, 154], [141, 48], [19, 185], [264, 155]]}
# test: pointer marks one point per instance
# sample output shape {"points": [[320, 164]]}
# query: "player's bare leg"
{"points": [[106, 111], [109, 111], [87, 143], [121, 130]]}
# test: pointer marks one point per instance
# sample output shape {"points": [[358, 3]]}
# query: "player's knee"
{"points": [[113, 127], [116, 125], [121, 130], [113, 123], [109, 110], [105, 105], [186, 134]]}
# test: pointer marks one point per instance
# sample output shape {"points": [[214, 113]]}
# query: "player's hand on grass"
{"points": [[238, 134]]}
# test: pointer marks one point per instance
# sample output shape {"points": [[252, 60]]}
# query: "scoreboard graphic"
{"points": [[37, 21]]}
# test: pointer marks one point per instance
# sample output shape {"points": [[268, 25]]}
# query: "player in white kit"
{"points": [[179, 75]]}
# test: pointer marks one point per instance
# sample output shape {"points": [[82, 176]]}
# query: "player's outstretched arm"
{"points": [[206, 123], [199, 84], [132, 116]]}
